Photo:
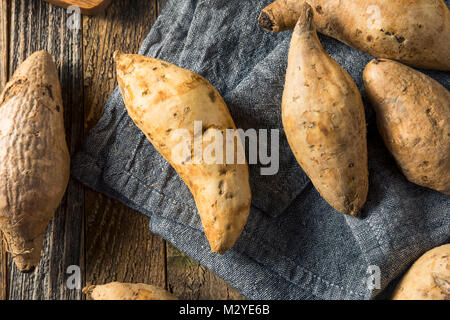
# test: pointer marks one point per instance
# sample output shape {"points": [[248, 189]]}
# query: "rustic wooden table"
{"points": [[107, 240]]}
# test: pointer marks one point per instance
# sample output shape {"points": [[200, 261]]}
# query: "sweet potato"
{"points": [[163, 99], [428, 278], [127, 291], [34, 159], [414, 32], [323, 117], [413, 117]]}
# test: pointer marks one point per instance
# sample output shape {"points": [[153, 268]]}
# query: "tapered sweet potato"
{"points": [[323, 117], [428, 278], [413, 116], [163, 99], [414, 32], [34, 159], [127, 291]]}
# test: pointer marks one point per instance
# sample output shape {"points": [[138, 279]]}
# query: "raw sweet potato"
{"points": [[414, 32], [413, 116], [323, 117], [34, 159], [428, 278], [163, 99], [127, 291]]}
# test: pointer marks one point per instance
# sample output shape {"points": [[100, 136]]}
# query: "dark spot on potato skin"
{"points": [[212, 96], [229, 195], [165, 65], [400, 39], [221, 182], [424, 164], [369, 38], [319, 9], [58, 108], [49, 90]]}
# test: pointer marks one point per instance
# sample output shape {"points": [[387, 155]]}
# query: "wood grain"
{"points": [[63, 245], [191, 281], [86, 6], [119, 245]]}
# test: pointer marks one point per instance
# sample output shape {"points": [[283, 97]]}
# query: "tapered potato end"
{"points": [[352, 205], [39, 66], [25, 249], [27, 262], [223, 238], [280, 15], [37, 71], [305, 21]]}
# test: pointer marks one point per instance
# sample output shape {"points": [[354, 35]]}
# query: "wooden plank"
{"points": [[4, 43], [36, 25], [188, 279], [191, 281], [119, 245]]}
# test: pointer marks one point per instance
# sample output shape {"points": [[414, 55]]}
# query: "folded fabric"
{"points": [[294, 246]]}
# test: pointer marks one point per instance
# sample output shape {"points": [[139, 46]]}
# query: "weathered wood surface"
{"points": [[108, 241], [119, 245], [190, 280]]}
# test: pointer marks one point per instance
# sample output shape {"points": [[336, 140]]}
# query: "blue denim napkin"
{"points": [[294, 246]]}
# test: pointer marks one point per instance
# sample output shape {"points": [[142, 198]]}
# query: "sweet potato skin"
{"points": [[127, 291], [161, 98], [323, 117], [413, 117], [34, 158], [428, 278], [414, 32]]}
